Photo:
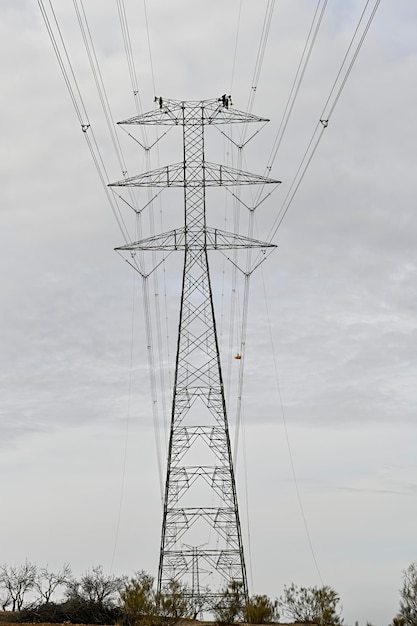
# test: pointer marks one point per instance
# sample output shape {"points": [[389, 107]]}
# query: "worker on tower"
{"points": [[225, 100]]}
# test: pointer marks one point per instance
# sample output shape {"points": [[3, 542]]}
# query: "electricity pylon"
{"points": [[201, 532]]}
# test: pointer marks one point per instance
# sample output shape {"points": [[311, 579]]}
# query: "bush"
{"points": [[75, 611], [173, 604], [230, 607], [95, 587], [141, 604], [314, 605], [261, 610], [138, 601]]}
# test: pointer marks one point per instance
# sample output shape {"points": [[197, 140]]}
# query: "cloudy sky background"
{"points": [[79, 464]]}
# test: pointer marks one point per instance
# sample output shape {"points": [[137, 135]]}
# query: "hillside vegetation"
{"points": [[29, 594]]}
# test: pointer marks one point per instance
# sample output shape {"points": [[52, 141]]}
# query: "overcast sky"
{"points": [[79, 465]]}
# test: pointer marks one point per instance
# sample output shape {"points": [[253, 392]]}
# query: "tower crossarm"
{"points": [[178, 113], [210, 175], [215, 239]]}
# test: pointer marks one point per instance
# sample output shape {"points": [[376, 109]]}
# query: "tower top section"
{"points": [[189, 113]]}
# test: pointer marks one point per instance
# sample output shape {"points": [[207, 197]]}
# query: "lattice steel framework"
{"points": [[201, 531]]}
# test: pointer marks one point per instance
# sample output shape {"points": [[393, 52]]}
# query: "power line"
{"points": [[149, 46], [128, 409], [67, 70], [259, 61], [78, 103], [327, 112], [287, 439], [101, 89], [124, 25], [261, 53], [69, 76], [130, 60], [98, 80], [236, 45], [295, 88]]}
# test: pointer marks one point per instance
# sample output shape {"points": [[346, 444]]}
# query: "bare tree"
{"points": [[17, 581], [5, 600], [314, 605], [408, 602], [96, 587], [46, 582]]}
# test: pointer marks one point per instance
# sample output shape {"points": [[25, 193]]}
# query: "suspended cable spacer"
{"points": [[325, 123], [85, 127]]}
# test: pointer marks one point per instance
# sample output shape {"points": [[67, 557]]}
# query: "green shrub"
{"points": [[261, 610]]}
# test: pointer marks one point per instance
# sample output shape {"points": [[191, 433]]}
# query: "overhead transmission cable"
{"points": [[98, 79], [247, 272], [236, 195], [153, 326], [65, 65], [69, 78], [255, 80], [157, 317], [149, 46], [130, 59], [236, 45], [302, 66], [326, 113], [259, 61], [261, 53], [242, 323], [159, 348], [128, 414], [101, 89], [295, 88], [287, 439], [309, 153]]}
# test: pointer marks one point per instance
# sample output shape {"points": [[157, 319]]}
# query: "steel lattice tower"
{"points": [[201, 529]]}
